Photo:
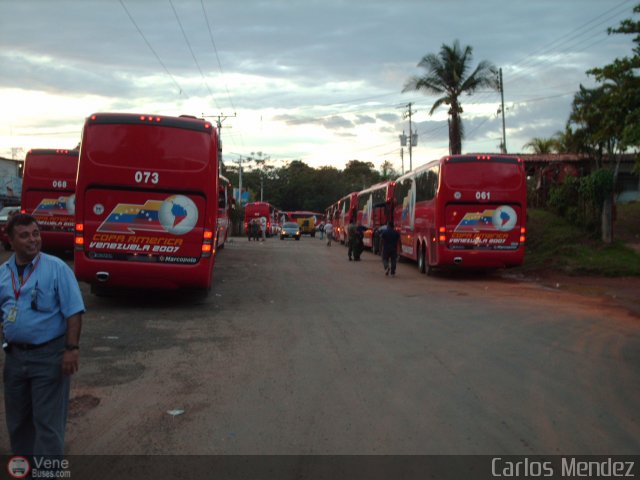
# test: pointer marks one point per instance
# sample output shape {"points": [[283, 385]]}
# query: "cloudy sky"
{"points": [[319, 81]]}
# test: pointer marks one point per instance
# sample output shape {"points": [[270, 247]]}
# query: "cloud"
{"points": [[336, 64], [364, 119]]}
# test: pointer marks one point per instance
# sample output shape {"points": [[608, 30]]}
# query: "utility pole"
{"points": [[504, 133], [239, 162], [219, 119], [402, 159], [413, 136]]}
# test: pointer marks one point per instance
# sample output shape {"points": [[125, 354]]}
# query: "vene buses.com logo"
{"points": [[18, 467]]}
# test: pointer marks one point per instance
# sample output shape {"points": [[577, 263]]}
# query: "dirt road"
{"points": [[298, 351]]}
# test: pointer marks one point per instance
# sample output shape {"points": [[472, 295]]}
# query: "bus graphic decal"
{"points": [[176, 214], [502, 219], [366, 214], [56, 206]]}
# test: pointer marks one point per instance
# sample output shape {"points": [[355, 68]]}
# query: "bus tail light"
{"points": [[78, 240], [207, 243], [523, 236], [442, 236]]}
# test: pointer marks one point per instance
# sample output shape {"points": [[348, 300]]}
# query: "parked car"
{"points": [[4, 218], [290, 229]]}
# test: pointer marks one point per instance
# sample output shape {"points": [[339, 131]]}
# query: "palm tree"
{"points": [[541, 145], [447, 75]]}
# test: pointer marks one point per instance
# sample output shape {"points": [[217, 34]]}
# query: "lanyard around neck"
{"points": [[17, 290]]}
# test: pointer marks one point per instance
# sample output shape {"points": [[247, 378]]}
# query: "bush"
{"points": [[580, 200]]}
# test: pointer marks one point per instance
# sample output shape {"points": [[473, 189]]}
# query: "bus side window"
{"points": [[222, 198]]}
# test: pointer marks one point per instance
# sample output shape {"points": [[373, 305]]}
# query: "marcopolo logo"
{"points": [[178, 214], [18, 467]]}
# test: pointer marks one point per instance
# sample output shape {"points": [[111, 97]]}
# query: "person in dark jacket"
{"points": [[358, 246], [389, 238], [351, 238]]}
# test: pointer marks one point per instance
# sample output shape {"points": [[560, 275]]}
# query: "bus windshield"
{"points": [[138, 146], [491, 174]]}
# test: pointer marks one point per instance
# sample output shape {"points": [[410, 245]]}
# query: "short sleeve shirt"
{"points": [[36, 311]]}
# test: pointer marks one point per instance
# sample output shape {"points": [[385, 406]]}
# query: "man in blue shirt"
{"points": [[42, 311], [389, 237]]}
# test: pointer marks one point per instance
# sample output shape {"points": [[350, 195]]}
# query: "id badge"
{"points": [[12, 315]]}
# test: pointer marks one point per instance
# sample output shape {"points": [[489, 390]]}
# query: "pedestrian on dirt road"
{"points": [[263, 228], [358, 247], [249, 231], [42, 311], [389, 237], [328, 229], [255, 229], [351, 238]]}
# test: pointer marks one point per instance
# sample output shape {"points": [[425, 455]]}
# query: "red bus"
{"points": [[49, 194], [464, 211], [375, 209], [147, 196], [225, 203], [258, 210], [345, 210]]}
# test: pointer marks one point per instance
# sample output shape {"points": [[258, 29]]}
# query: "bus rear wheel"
{"points": [[422, 261]]}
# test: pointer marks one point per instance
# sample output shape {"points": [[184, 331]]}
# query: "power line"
{"points": [[215, 49], [193, 55], [567, 42], [180, 90]]}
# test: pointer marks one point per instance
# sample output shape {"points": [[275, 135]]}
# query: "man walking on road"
{"points": [[42, 311], [328, 229], [389, 238], [351, 237]]}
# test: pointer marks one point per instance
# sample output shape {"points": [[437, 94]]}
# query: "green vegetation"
{"points": [[553, 243], [447, 74]]}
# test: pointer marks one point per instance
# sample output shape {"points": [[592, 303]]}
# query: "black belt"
{"points": [[32, 346]]}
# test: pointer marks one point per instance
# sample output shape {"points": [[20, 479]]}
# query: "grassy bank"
{"points": [[554, 244]]}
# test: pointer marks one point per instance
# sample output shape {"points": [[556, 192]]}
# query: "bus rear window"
{"points": [[48, 167], [490, 175], [145, 146]]}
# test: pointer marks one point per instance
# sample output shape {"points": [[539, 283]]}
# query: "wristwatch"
{"points": [[70, 347]]}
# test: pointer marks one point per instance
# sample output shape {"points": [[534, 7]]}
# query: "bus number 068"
{"points": [[483, 195], [146, 177], [59, 184]]}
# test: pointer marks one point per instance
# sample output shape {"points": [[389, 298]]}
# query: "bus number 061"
{"points": [[483, 195], [146, 177]]}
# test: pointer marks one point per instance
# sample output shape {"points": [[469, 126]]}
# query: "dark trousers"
{"points": [[389, 259], [36, 399]]}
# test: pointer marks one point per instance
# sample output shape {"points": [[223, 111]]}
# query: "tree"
{"points": [[607, 116], [359, 175], [387, 171], [447, 74], [541, 145], [566, 141]]}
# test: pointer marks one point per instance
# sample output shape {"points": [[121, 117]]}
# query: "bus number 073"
{"points": [[483, 195], [146, 177]]}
